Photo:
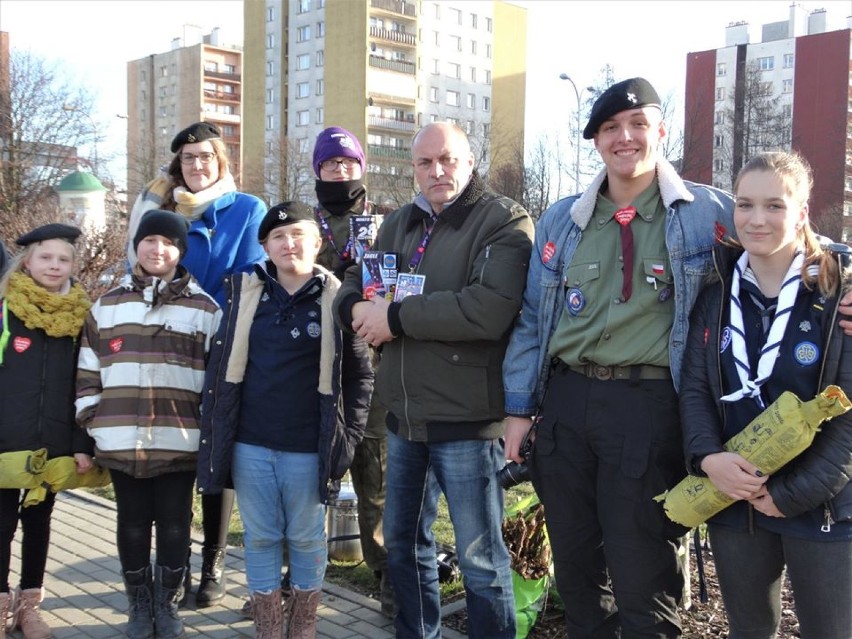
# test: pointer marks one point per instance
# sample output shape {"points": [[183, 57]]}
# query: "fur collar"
{"points": [[456, 213], [672, 188]]}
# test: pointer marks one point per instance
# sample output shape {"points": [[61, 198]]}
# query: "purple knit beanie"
{"points": [[336, 142]]}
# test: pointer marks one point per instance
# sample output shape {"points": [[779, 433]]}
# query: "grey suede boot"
{"points": [[140, 611], [167, 582]]}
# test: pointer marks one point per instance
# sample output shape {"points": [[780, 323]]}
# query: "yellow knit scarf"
{"points": [[56, 314]]}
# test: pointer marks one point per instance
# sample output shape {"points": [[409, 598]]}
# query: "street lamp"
{"points": [[71, 107], [565, 76]]}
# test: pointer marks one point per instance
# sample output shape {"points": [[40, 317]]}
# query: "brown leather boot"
{"points": [[28, 616], [303, 614], [268, 615]]}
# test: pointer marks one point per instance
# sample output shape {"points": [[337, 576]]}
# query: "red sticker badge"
{"points": [[720, 233], [115, 344], [20, 344], [548, 252]]}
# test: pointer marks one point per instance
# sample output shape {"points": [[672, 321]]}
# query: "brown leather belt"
{"points": [[601, 372]]}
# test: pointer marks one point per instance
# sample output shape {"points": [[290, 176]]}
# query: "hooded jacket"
{"points": [[345, 387], [819, 477]]}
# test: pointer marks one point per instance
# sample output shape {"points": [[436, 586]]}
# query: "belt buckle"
{"points": [[601, 372]]}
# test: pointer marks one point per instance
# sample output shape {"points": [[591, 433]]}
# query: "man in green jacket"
{"points": [[464, 252]]}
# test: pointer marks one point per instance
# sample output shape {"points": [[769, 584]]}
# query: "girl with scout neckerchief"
{"points": [[42, 313], [769, 326]]}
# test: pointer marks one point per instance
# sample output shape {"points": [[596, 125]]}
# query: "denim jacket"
{"points": [[693, 210]]}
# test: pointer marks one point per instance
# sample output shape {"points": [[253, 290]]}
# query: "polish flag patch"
{"points": [[658, 269], [115, 344], [548, 252], [20, 344]]}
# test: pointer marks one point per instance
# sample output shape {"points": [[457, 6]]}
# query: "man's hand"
{"points": [[733, 475], [763, 502], [845, 309], [516, 429], [370, 321]]}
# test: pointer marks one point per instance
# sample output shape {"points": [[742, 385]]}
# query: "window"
{"points": [[489, 24], [473, 74], [766, 64], [787, 86], [433, 118], [303, 118], [164, 113], [486, 129], [721, 69], [486, 103], [719, 118], [455, 16], [487, 76], [270, 122], [270, 96], [320, 58], [303, 89], [473, 20], [270, 41], [303, 62], [787, 112], [303, 34], [320, 115], [720, 93], [304, 6], [436, 38], [487, 50], [471, 102], [436, 66], [304, 145], [788, 60], [229, 68], [437, 11], [718, 164], [454, 70], [270, 14], [455, 43], [433, 94], [717, 141], [473, 47], [228, 130], [320, 86], [164, 71], [453, 98], [468, 127], [320, 29]]}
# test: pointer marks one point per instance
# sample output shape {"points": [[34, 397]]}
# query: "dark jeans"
{"points": [[165, 502], [603, 450], [369, 471], [750, 568], [35, 525]]}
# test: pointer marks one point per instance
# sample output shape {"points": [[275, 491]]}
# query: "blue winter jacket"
{"points": [[693, 210]]}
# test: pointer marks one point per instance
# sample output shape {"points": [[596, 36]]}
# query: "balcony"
{"points": [[391, 123], [393, 152], [393, 65], [219, 75], [395, 6], [222, 95], [392, 100], [398, 37]]}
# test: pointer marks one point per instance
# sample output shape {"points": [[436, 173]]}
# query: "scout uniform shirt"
{"points": [[597, 325]]}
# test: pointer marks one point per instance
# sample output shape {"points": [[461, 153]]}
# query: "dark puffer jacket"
{"points": [[819, 476]]}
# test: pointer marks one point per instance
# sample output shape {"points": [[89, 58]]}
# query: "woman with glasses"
{"points": [[222, 240]]}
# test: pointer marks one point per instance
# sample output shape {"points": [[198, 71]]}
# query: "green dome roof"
{"points": [[80, 181]]}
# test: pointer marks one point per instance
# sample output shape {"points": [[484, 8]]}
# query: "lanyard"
{"points": [[326, 229], [424, 242]]}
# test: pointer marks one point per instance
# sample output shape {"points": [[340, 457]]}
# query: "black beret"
{"points": [[197, 132], [285, 213], [53, 231], [634, 93], [166, 223]]}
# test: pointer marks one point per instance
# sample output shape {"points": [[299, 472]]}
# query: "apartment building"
{"points": [[382, 69], [791, 90], [198, 79]]}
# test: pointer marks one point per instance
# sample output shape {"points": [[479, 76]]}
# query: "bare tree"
{"points": [[289, 175], [538, 178]]}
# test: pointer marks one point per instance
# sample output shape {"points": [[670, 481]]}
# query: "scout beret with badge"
{"points": [[198, 132], [55, 231], [283, 214], [634, 93]]}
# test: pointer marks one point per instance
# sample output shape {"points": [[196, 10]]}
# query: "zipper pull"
{"points": [[826, 527]]}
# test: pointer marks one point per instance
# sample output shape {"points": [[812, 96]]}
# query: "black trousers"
{"points": [[603, 450], [164, 502], [35, 539]]}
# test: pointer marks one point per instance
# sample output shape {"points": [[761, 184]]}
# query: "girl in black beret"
{"points": [[42, 313]]}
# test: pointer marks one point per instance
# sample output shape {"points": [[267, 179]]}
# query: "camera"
{"points": [[514, 473]]}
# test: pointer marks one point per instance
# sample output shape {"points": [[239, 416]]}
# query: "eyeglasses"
{"points": [[190, 158], [331, 165]]}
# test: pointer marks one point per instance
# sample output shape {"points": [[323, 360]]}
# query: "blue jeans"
{"points": [[278, 500], [465, 471]]}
